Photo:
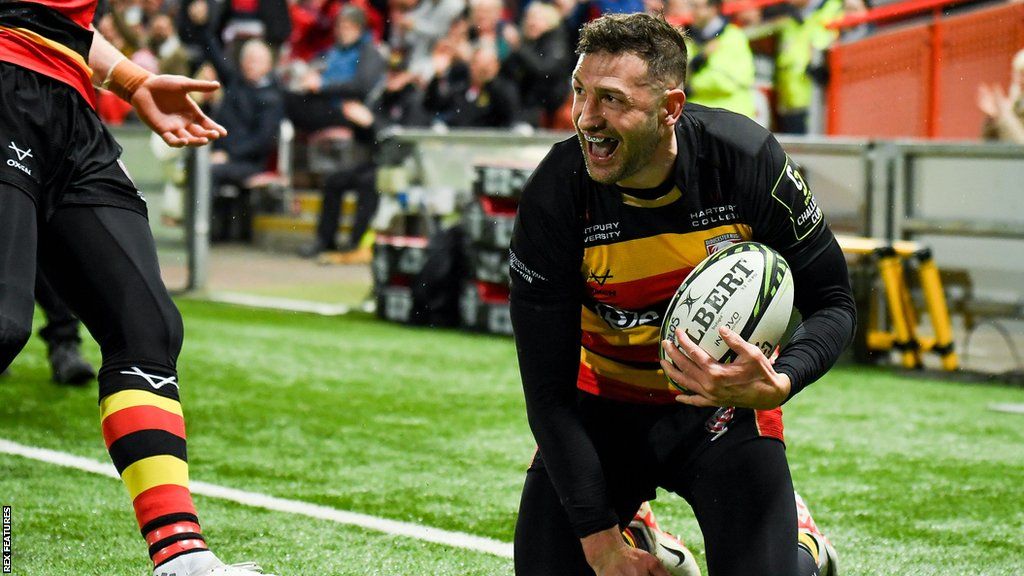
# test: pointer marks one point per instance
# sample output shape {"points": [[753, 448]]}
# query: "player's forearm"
{"points": [[112, 70], [825, 300], [102, 56], [547, 341]]}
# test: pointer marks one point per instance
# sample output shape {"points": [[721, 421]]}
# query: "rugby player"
{"points": [[609, 224], [65, 195]]}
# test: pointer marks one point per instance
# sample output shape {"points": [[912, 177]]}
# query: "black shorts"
{"points": [[54, 147], [644, 447]]}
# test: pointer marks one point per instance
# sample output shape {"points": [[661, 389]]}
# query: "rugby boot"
{"points": [[644, 533], [68, 366], [206, 564], [811, 538]]}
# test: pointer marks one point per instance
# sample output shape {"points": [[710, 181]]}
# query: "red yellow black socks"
{"points": [[145, 435]]}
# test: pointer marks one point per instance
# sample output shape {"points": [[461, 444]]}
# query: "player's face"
{"points": [[616, 111]]}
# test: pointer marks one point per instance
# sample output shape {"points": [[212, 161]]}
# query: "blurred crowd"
{"points": [[354, 67], [458, 63]]}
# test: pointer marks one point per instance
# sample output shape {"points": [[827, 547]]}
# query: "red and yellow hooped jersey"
{"points": [[52, 38], [620, 254]]}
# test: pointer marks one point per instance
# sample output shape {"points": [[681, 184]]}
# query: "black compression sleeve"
{"points": [[545, 257], [825, 301], [547, 341]]}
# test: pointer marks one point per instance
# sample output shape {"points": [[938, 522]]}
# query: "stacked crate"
{"points": [[488, 220]]}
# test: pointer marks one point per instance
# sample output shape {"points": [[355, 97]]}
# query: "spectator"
{"points": [[401, 104], [251, 109], [350, 70], [721, 63], [191, 21], [162, 40], [539, 63], [803, 37], [236, 21], [313, 25], [417, 25], [473, 95], [487, 26], [1004, 113], [312, 28]]}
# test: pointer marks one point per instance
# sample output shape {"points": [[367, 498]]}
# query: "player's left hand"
{"points": [[162, 102], [749, 381]]}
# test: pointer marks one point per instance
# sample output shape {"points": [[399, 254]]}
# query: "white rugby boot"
{"points": [[206, 564], [644, 533], [811, 538]]}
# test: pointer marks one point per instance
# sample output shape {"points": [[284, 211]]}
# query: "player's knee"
{"points": [[13, 336]]}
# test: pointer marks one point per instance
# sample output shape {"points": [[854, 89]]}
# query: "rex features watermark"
{"points": [[7, 540]]}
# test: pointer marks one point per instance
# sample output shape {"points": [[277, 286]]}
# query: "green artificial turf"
{"points": [[907, 476]]}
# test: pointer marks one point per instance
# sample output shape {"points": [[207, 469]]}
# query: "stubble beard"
{"points": [[643, 145]]}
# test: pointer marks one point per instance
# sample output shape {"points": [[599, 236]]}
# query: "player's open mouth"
{"points": [[600, 148]]}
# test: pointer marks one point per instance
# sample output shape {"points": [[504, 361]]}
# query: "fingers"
{"points": [[693, 352], [190, 85], [738, 344], [695, 400], [180, 137], [197, 131], [172, 139]]}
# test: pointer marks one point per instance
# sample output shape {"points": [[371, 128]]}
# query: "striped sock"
{"points": [[145, 436]]}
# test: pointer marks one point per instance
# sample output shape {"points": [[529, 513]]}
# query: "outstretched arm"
{"points": [[161, 101]]}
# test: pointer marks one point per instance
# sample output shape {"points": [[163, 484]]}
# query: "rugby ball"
{"points": [[747, 287]]}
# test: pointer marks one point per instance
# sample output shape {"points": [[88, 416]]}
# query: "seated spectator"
{"points": [[721, 63], [473, 95], [313, 25], [349, 70], [417, 25], [400, 104], [251, 110], [1004, 113], [539, 63]]}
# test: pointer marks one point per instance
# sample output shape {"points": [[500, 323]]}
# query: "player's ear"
{"points": [[673, 107]]}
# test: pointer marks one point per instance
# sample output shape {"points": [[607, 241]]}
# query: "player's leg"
{"points": [[18, 234], [545, 543], [102, 261], [60, 333], [742, 496]]}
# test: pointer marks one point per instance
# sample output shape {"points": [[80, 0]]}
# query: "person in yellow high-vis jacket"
{"points": [[722, 65], [802, 36]]}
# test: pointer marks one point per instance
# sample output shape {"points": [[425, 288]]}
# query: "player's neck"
{"points": [[658, 169]]}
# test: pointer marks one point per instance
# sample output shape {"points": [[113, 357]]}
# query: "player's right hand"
{"points": [[162, 102], [629, 561], [609, 555]]}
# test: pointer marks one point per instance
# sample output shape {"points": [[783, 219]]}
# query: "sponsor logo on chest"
{"points": [[714, 215]]}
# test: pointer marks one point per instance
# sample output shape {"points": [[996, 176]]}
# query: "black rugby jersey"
{"points": [[594, 266]]}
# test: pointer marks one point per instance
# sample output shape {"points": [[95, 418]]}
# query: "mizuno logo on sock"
{"points": [[154, 380]]}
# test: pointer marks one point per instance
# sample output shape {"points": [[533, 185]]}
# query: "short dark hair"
{"points": [[654, 40]]}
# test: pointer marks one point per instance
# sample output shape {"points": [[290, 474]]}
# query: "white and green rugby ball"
{"points": [[747, 287]]}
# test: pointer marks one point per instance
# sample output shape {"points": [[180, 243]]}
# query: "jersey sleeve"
{"points": [[786, 216], [546, 299]]}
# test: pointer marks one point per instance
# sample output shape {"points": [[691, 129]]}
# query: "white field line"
{"points": [[274, 303], [1008, 408], [257, 500]]}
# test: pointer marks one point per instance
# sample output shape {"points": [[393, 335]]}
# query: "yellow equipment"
{"points": [[903, 317]]}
